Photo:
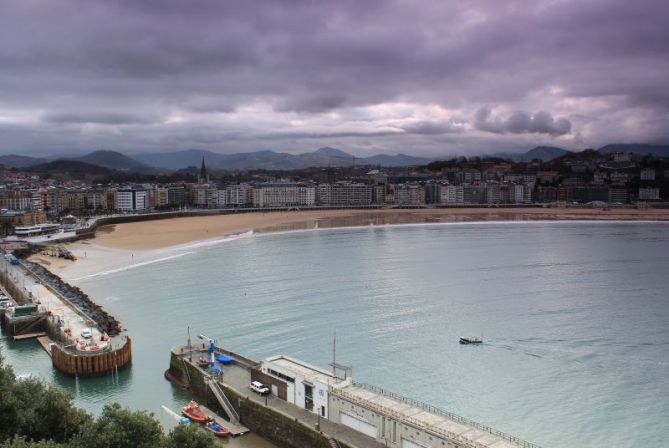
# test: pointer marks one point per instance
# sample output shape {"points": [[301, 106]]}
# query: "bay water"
{"points": [[574, 317]]}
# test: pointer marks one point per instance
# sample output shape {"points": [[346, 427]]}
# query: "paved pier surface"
{"points": [[238, 378], [72, 318]]}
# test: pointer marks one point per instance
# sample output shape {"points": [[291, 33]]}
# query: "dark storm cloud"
{"points": [[431, 128], [521, 122], [97, 118], [268, 68]]}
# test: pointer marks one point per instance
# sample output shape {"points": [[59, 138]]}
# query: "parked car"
{"points": [[260, 388]]}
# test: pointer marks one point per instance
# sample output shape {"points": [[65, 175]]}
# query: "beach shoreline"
{"points": [[124, 246]]}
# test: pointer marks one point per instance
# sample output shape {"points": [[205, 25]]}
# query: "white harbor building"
{"points": [[383, 416]]}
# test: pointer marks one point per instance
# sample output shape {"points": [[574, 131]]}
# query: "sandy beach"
{"points": [[128, 245]]}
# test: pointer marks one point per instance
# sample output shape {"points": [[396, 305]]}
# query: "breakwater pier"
{"points": [[312, 407], [79, 336]]}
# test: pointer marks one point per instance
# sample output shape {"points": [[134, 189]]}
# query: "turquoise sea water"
{"points": [[575, 318]]}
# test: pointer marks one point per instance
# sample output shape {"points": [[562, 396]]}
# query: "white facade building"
{"points": [[131, 200], [284, 194], [409, 194], [649, 194], [647, 174], [238, 194], [518, 193], [307, 386], [451, 194]]}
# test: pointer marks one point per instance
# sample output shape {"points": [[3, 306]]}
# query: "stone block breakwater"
{"points": [[76, 297]]}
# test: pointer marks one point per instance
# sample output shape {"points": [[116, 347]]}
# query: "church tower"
{"points": [[203, 178]]}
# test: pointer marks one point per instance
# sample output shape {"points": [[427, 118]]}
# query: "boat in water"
{"points": [[193, 412], [218, 429], [465, 341]]}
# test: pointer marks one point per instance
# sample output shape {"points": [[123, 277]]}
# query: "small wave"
{"points": [[212, 242], [131, 266]]}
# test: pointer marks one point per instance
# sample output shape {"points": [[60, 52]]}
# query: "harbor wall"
{"points": [[269, 423], [80, 364], [19, 295]]}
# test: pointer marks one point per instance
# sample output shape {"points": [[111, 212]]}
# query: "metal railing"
{"points": [[431, 409], [223, 400]]}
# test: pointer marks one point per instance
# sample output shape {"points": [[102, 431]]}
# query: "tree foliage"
{"points": [[189, 436], [36, 415]]}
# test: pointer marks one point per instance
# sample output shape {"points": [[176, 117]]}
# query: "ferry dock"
{"points": [[313, 407]]}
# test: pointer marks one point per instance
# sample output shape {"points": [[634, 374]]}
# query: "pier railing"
{"points": [[437, 411]]}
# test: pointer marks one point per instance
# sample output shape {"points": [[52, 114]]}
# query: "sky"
{"points": [[418, 77]]}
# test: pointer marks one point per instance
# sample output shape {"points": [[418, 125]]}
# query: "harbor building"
{"points": [[380, 417], [298, 383]]}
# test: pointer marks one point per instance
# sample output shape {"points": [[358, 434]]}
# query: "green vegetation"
{"points": [[37, 415]]}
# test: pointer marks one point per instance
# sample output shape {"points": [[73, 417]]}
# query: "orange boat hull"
{"points": [[193, 412]]}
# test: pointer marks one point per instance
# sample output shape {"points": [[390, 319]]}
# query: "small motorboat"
{"points": [[224, 359], [193, 412], [470, 340], [218, 429]]}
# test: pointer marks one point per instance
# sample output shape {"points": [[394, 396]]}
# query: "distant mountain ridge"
{"points": [[639, 148], [271, 160], [154, 163], [17, 161], [543, 153], [74, 168], [116, 161]]}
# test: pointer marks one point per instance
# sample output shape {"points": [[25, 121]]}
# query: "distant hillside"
{"points": [[116, 161], [585, 155], [74, 168], [272, 160], [639, 148], [543, 153], [16, 161]]}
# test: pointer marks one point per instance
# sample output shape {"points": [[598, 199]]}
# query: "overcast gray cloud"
{"points": [[422, 77], [520, 122]]}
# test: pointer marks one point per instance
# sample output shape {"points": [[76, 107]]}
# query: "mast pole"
{"points": [[334, 355]]}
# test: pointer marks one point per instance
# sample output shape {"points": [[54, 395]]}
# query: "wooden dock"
{"points": [[45, 342], [21, 337], [235, 428]]}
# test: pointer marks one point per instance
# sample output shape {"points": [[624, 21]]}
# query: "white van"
{"points": [[258, 387]]}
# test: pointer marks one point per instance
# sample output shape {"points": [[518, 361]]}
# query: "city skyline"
{"points": [[381, 77]]}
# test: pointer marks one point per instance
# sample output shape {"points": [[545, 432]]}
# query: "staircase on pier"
{"points": [[233, 425]]}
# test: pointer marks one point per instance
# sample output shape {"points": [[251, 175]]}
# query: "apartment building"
{"points": [[131, 199], [284, 194], [344, 193]]}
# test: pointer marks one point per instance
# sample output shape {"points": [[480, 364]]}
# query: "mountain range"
{"points": [[154, 163], [543, 153], [271, 160]]}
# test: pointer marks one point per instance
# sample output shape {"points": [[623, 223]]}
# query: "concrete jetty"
{"points": [[45, 342], [21, 337], [66, 323], [313, 407]]}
